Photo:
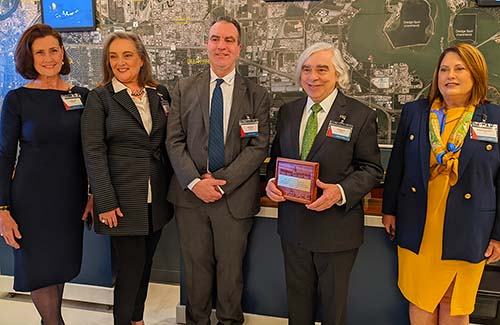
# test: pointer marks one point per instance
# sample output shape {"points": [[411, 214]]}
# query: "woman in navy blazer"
{"points": [[441, 202]]}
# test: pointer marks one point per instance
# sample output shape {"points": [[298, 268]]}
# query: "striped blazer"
{"points": [[120, 157]]}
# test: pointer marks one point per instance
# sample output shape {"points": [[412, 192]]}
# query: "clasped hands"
{"points": [[331, 195], [208, 188]]}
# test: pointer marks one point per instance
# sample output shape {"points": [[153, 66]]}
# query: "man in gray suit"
{"points": [[217, 138]]}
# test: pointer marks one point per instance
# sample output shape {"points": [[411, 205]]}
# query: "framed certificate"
{"points": [[297, 179]]}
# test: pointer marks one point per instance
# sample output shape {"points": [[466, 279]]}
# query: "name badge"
{"points": [[72, 101], [483, 131], [164, 104], [339, 130], [249, 128]]}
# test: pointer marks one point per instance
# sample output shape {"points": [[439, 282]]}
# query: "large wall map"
{"points": [[391, 46]]}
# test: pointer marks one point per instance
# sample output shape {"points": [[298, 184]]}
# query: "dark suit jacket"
{"points": [[121, 157], [470, 220], [187, 143], [354, 164]]}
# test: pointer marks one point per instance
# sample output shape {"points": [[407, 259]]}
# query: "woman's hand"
{"points": [[109, 218], [493, 251], [389, 222], [9, 230], [89, 208], [273, 192]]}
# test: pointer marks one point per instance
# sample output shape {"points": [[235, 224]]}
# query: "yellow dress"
{"points": [[424, 278]]}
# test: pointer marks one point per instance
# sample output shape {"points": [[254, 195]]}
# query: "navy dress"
{"points": [[47, 190]]}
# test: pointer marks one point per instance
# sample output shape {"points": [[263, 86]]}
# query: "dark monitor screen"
{"points": [[64, 15], [488, 3]]}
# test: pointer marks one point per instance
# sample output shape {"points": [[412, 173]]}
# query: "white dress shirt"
{"points": [[142, 105], [326, 104], [227, 88]]}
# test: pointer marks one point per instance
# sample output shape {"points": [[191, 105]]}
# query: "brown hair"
{"points": [[145, 73], [475, 64], [229, 20], [23, 56]]}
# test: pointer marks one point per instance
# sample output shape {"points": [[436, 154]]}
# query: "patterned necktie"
{"points": [[216, 132], [310, 131]]}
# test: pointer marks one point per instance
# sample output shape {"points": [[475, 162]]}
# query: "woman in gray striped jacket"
{"points": [[123, 133]]}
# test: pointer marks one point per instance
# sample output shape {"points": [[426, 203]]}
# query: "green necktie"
{"points": [[310, 131]]}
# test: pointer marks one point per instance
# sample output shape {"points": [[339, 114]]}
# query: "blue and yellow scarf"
{"points": [[446, 155]]}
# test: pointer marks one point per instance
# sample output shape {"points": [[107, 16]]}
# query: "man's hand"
{"points": [[207, 189], [493, 251], [273, 192], [331, 195]]}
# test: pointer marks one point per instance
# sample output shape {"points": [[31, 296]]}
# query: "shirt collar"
{"points": [[119, 86], [229, 78], [326, 103]]}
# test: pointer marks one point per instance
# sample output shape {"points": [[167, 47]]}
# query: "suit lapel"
{"points": [[469, 146], [424, 145], [339, 106], [238, 96], [295, 120], [203, 88], [154, 107], [123, 98]]}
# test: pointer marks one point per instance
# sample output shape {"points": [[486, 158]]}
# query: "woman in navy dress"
{"points": [[43, 194]]}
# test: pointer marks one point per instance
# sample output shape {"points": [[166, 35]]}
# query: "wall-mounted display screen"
{"points": [[74, 15], [488, 3]]}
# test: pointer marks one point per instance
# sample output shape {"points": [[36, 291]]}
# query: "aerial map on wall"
{"points": [[391, 46]]}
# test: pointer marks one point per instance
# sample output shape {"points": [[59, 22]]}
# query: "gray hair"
{"points": [[338, 62]]}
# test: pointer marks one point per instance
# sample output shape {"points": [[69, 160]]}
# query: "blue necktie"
{"points": [[216, 133]]}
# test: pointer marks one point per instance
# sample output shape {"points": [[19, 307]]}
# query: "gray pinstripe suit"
{"points": [[121, 156], [213, 236]]}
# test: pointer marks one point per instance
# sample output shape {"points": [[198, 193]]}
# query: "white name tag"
{"points": [[339, 130], [483, 131], [249, 128], [72, 101]]}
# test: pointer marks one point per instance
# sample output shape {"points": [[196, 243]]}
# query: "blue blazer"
{"points": [[472, 211]]}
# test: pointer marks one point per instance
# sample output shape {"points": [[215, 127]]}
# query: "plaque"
{"points": [[297, 179]]}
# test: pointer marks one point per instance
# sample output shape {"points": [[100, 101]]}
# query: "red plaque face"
{"points": [[297, 179]]}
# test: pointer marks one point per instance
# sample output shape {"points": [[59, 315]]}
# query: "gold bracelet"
{"points": [[4, 207]]}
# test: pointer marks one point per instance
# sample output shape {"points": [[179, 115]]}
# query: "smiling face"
{"points": [[48, 56], [318, 76], [454, 80], [125, 61], [223, 47]]}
